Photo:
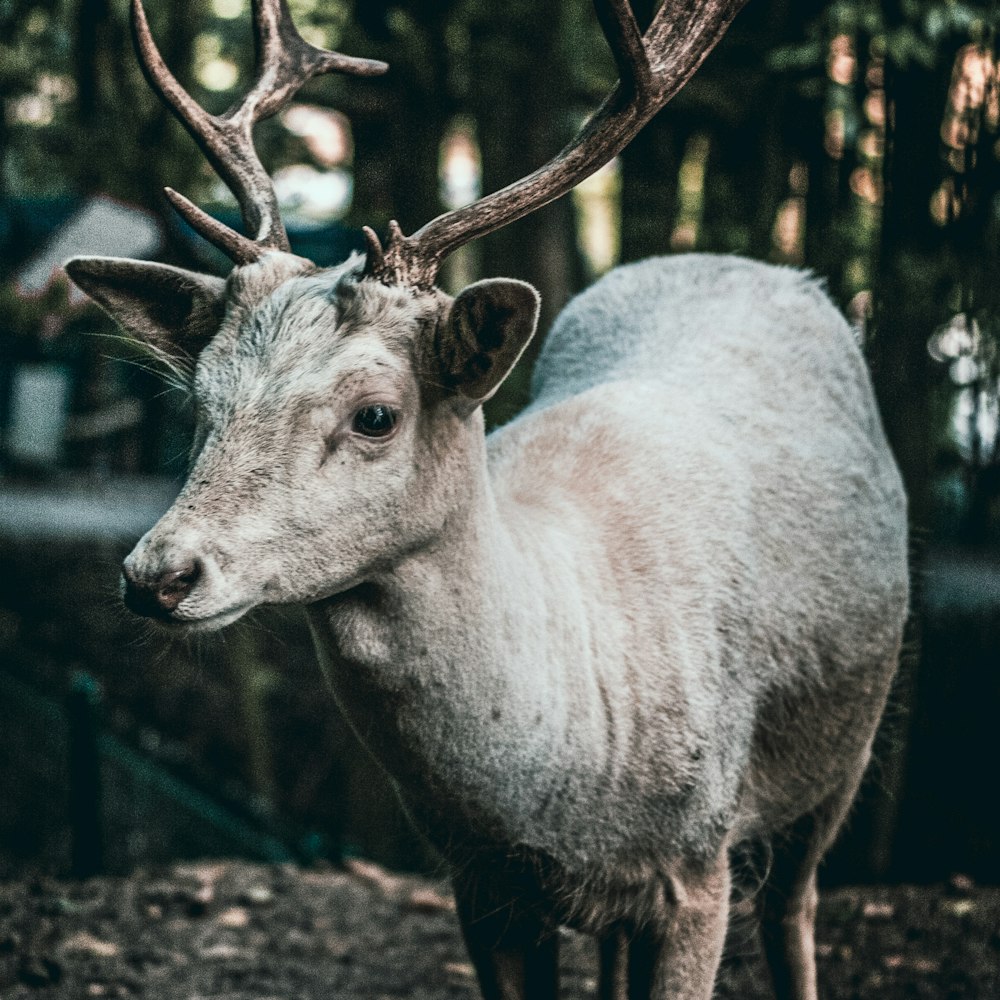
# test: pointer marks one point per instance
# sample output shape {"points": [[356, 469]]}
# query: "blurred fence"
{"points": [[74, 798], [193, 737]]}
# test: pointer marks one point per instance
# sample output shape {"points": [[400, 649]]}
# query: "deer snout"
{"points": [[155, 592]]}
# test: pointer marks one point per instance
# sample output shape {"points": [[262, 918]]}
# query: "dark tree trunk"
{"points": [[649, 188], [519, 100], [911, 301], [649, 176], [400, 120], [89, 53], [173, 164]]}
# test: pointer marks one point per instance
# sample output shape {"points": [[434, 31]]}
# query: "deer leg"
{"points": [[514, 952], [676, 957], [612, 973], [787, 903]]}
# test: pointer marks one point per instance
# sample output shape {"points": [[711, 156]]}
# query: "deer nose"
{"points": [[158, 595]]}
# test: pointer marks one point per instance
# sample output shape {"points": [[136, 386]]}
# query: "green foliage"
{"points": [[917, 32]]}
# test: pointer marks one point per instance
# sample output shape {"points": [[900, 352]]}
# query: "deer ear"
{"points": [[171, 309], [481, 337]]}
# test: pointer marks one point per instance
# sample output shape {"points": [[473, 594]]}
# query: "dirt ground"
{"points": [[247, 932]]}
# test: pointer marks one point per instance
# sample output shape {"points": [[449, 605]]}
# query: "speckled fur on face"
{"points": [[282, 504]]}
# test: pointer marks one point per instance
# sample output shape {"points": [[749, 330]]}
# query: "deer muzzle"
{"points": [[174, 576], [157, 593]]}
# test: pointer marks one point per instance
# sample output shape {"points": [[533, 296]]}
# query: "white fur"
{"points": [[654, 617]]}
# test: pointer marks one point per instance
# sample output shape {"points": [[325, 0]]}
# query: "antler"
{"points": [[652, 69], [285, 61]]}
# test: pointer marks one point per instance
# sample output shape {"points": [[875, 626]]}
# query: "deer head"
{"points": [[338, 410]]}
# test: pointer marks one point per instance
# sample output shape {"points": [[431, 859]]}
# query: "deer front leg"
{"points": [[628, 962], [676, 954], [514, 952], [612, 973]]}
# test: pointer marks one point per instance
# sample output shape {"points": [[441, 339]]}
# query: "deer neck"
{"points": [[460, 614], [455, 657]]}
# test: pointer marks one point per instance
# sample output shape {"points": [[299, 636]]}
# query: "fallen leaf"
{"points": [[961, 883], [428, 900], [223, 952], [235, 916], [91, 945], [959, 907], [257, 895], [375, 874], [873, 910]]}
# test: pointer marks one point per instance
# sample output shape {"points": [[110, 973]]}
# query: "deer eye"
{"points": [[376, 420]]}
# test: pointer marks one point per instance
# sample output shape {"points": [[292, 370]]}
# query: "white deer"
{"points": [[653, 619]]}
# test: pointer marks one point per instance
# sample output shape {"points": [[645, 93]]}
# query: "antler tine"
{"points": [[653, 68], [285, 61], [237, 247], [622, 33], [376, 258]]}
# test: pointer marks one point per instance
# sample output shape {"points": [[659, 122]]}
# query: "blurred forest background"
{"points": [[854, 138]]}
